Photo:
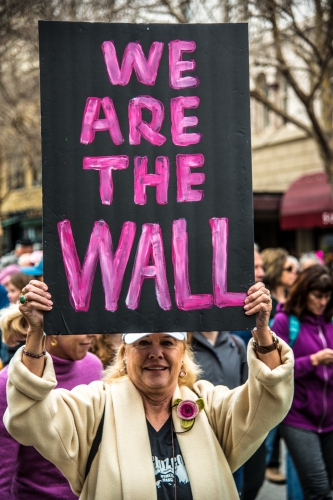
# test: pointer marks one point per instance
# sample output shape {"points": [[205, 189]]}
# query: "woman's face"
{"points": [[317, 302], [154, 362], [13, 293], [73, 347], [289, 273]]}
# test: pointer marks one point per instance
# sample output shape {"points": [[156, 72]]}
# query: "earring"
{"points": [[54, 341], [182, 372], [123, 370]]}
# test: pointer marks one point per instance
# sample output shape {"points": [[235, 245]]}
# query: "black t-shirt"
{"points": [[166, 464]]}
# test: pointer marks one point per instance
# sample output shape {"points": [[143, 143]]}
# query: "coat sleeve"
{"points": [[242, 417], [37, 415]]}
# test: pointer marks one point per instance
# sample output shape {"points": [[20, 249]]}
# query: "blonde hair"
{"points": [[14, 326], [105, 347], [189, 366]]}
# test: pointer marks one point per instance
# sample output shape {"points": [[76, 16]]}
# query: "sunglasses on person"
{"points": [[291, 269]]}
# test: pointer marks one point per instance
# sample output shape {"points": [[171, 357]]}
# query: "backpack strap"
{"points": [[294, 328], [95, 446]]}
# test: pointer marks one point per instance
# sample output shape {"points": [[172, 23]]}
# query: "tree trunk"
{"points": [[328, 165]]}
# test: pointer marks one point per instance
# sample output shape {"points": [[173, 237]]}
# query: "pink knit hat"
{"points": [[7, 271]]}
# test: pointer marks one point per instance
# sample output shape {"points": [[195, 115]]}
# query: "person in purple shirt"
{"points": [[308, 427], [24, 473]]}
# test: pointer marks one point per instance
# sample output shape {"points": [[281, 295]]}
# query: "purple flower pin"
{"points": [[187, 410]]}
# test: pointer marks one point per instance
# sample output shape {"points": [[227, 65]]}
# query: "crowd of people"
{"points": [[135, 384]]}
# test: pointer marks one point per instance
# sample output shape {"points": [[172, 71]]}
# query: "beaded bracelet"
{"points": [[32, 355]]}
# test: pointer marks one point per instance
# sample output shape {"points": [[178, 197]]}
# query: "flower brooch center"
{"points": [[187, 410]]}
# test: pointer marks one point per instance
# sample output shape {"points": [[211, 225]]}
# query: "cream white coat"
{"points": [[62, 424]]}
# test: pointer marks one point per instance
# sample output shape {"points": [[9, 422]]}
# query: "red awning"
{"points": [[307, 203]]}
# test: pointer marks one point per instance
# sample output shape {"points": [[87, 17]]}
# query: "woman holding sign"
{"points": [[148, 430]]}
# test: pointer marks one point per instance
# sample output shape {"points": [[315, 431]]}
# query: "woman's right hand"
{"points": [[323, 357], [37, 301]]}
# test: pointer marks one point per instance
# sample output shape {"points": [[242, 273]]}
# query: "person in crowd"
{"points": [[16, 282], [21, 247], [308, 427], [6, 273], [105, 346], [36, 271], [154, 440], [221, 356], [308, 259], [281, 271], [24, 473], [24, 260]]}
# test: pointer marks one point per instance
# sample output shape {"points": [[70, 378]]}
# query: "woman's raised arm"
{"points": [[259, 302], [33, 301]]}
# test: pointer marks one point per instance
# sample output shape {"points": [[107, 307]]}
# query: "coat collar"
{"points": [[134, 452], [198, 442]]}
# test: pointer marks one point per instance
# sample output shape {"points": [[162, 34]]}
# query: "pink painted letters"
{"points": [[222, 298], [105, 165], [177, 65], [149, 261], [142, 179], [145, 70], [150, 247], [138, 128], [91, 123], [184, 299], [185, 179], [80, 280], [179, 122]]}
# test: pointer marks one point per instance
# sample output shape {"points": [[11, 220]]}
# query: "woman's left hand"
{"points": [[259, 302]]}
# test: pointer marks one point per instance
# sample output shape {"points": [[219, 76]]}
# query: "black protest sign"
{"points": [[147, 190]]}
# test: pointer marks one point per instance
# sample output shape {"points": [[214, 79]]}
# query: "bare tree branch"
{"points": [[260, 97]]}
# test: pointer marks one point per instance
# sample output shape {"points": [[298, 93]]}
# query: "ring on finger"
{"points": [[23, 299], [24, 290]]}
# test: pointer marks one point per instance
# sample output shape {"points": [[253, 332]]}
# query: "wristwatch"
{"points": [[264, 349]]}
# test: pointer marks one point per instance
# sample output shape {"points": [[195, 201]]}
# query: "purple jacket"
{"points": [[24, 473], [312, 406]]}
